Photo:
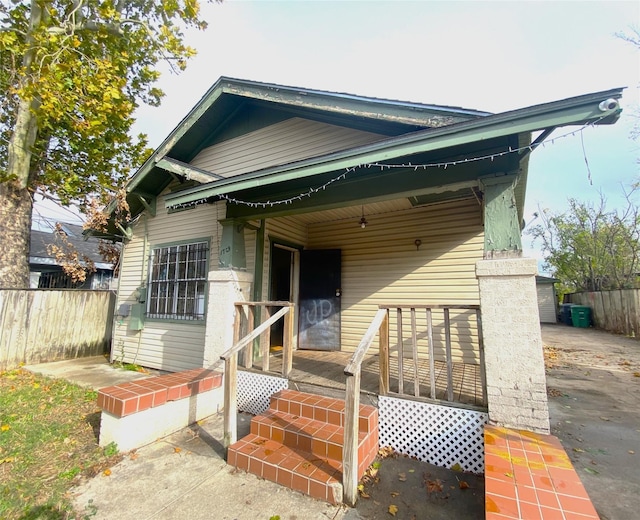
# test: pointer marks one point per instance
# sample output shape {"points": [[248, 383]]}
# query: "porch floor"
{"points": [[326, 368]]}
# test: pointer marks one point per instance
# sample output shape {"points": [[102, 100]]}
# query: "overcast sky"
{"points": [[492, 56]]}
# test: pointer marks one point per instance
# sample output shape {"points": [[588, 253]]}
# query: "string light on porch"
{"points": [[382, 166]]}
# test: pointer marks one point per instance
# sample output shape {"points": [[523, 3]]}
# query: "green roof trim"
{"points": [[578, 110]]}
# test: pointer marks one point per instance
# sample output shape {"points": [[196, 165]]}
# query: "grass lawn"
{"points": [[48, 442]]}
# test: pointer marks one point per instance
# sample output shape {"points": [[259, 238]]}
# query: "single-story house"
{"points": [[547, 299], [45, 271], [342, 204]]}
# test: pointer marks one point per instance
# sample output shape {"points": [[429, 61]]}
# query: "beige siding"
{"points": [[162, 344], [381, 265], [546, 303], [281, 143]]}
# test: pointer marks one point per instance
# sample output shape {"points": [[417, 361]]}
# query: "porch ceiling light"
{"points": [[363, 221]]}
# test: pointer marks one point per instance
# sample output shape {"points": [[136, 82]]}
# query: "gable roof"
{"points": [[407, 129]]}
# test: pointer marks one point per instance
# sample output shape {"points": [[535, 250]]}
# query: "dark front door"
{"points": [[280, 282], [320, 288]]}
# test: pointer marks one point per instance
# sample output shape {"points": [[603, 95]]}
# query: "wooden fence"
{"points": [[615, 311], [37, 326]]}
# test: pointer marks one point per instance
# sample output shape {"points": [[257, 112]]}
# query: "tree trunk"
{"points": [[16, 204], [15, 228]]}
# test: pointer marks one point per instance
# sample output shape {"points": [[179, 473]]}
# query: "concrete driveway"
{"points": [[593, 382]]}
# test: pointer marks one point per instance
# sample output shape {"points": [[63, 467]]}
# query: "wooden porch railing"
{"points": [[381, 325], [230, 357]]}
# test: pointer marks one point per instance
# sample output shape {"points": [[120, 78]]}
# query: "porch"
{"points": [[325, 370], [436, 353], [418, 391]]}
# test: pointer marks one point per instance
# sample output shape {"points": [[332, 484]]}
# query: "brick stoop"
{"points": [[298, 443]]}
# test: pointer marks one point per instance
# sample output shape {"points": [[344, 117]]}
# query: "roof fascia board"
{"points": [[189, 120], [580, 110], [406, 112], [265, 91], [187, 171]]}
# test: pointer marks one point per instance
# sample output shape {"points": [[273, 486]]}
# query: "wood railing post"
{"points": [[287, 346], [384, 355], [432, 361], [265, 342], [230, 400], [247, 356], [447, 335], [350, 450], [414, 353], [400, 353]]}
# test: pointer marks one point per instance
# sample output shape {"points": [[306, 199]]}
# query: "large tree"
{"points": [[71, 76], [589, 248]]}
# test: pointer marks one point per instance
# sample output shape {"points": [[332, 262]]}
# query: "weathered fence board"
{"points": [[47, 325], [616, 311]]}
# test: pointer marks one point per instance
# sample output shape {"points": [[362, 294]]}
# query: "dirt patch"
{"points": [[593, 384]]}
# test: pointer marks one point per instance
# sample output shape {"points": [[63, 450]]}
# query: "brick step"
{"points": [[298, 442], [298, 470], [319, 438], [319, 408]]}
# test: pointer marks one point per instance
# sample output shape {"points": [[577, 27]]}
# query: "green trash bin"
{"points": [[581, 316]]}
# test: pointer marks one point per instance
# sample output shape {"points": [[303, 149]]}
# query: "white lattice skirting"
{"points": [[255, 390], [440, 435]]}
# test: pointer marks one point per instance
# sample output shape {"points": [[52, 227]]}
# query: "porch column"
{"points": [[226, 286], [229, 284], [501, 222], [514, 359], [232, 254]]}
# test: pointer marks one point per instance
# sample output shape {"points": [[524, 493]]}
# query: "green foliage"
{"points": [[81, 69], [589, 248], [110, 449], [47, 442]]}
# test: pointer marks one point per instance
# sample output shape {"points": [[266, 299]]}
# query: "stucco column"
{"points": [[226, 287], [514, 358]]}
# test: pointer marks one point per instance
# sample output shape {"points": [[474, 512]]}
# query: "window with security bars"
{"points": [[178, 282]]}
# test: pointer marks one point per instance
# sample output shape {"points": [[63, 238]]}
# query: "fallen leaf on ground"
{"points": [[592, 471], [456, 467], [394, 494], [578, 450], [434, 486], [177, 450], [402, 477], [106, 472], [631, 452], [463, 485], [393, 510], [605, 418]]}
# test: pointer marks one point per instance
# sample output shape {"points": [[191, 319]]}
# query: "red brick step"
{"points": [[298, 443]]}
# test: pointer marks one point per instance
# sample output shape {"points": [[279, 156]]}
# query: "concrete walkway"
{"points": [[185, 476], [89, 372], [180, 476]]}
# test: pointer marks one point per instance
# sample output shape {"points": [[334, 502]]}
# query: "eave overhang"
{"points": [[346, 105], [580, 110]]}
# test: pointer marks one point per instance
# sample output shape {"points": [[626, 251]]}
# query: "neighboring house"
{"points": [[547, 299], [47, 273], [340, 203]]}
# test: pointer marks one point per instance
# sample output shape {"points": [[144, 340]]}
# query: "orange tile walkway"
{"points": [[529, 476]]}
